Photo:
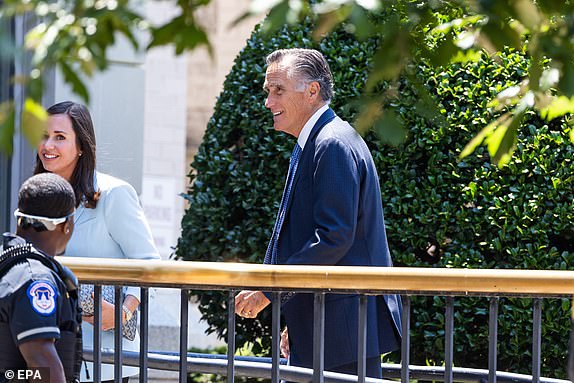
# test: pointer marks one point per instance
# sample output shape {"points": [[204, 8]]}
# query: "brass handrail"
{"points": [[223, 275]]}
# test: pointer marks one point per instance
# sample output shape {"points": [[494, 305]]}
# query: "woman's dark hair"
{"points": [[82, 179], [46, 195]]}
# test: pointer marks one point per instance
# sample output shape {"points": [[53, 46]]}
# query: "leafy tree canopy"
{"points": [[449, 31], [74, 36]]}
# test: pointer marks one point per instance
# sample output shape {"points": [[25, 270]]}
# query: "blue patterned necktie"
{"points": [[271, 253]]}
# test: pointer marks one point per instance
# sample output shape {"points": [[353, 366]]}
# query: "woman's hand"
{"points": [[107, 316], [108, 312], [131, 303]]}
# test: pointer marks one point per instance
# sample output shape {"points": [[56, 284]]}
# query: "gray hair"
{"points": [[306, 65]]}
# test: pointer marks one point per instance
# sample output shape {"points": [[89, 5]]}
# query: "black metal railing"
{"points": [[537, 285], [274, 367]]}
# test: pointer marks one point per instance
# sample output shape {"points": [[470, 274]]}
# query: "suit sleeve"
{"points": [[128, 226], [335, 205]]}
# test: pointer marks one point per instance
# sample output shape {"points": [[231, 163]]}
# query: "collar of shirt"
{"points": [[306, 131], [9, 240]]}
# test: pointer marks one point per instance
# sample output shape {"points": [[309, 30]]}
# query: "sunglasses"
{"points": [[49, 223]]}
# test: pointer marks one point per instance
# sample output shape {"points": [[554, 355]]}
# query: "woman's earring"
{"points": [[80, 154]]}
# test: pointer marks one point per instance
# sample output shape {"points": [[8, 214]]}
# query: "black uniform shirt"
{"points": [[32, 306]]}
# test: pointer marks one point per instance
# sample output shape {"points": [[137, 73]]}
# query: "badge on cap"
{"points": [[43, 296]]}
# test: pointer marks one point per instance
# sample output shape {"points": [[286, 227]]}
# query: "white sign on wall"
{"points": [[161, 204]]}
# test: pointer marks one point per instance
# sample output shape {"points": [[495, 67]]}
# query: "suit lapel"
{"points": [[325, 118]]}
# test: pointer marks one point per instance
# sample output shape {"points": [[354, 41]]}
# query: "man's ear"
{"points": [[67, 226], [314, 90]]}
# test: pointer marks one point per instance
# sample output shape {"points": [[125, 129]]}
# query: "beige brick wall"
{"points": [[164, 136], [164, 170], [205, 74]]}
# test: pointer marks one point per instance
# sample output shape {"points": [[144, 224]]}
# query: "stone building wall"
{"points": [[180, 94], [206, 74]]}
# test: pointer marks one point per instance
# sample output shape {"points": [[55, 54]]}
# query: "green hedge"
{"points": [[440, 212]]}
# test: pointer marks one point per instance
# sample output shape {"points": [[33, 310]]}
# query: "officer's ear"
{"points": [[67, 227]]}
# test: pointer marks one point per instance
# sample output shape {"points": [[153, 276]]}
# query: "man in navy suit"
{"points": [[330, 214]]}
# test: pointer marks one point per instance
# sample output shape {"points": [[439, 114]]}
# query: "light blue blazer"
{"points": [[116, 228]]}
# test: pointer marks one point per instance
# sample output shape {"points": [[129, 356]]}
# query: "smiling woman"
{"points": [[58, 150], [69, 149], [109, 221]]}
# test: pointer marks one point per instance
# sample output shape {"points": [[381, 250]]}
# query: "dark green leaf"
{"points": [[390, 129], [71, 78]]}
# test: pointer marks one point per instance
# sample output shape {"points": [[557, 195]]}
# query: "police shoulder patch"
{"points": [[42, 295]]}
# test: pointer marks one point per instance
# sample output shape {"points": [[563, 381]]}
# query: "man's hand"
{"points": [[249, 303], [284, 344]]}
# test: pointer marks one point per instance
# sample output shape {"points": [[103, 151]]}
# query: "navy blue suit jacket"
{"points": [[335, 217]]}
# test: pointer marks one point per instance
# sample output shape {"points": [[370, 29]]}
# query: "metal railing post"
{"points": [[492, 339], [449, 339], [536, 338], [406, 339], [362, 344], [118, 330], [144, 338], [276, 337], [183, 317], [97, 342], [571, 345], [231, 337], [319, 338]]}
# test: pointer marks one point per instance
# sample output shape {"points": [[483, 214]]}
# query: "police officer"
{"points": [[40, 321]]}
